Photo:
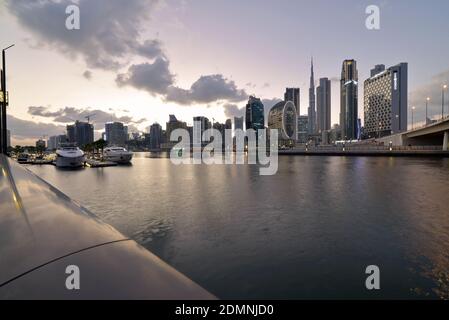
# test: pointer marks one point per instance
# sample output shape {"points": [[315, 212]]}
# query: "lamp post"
{"points": [[427, 105], [4, 129], [442, 100]]}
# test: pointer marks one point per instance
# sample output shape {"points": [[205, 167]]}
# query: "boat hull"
{"points": [[122, 158], [69, 162]]}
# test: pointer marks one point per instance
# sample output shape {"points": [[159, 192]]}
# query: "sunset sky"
{"points": [[138, 61]]}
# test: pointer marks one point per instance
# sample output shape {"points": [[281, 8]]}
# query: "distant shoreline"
{"points": [[368, 153]]}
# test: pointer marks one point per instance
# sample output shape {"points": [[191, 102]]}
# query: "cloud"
{"points": [[27, 130], [154, 77], [207, 89], [151, 49], [232, 110], [110, 36], [110, 30], [70, 114], [87, 74]]}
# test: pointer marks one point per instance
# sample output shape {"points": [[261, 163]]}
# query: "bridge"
{"points": [[433, 134]]}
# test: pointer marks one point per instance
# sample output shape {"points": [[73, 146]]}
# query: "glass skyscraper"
{"points": [[254, 115], [385, 104], [323, 105], [311, 111], [349, 100], [292, 94]]}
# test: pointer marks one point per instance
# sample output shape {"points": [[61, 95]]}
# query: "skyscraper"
{"points": [[173, 124], [81, 133], [323, 105], [349, 100], [385, 101], [311, 111], [292, 94], [303, 124], [55, 141], [116, 133], [254, 115], [155, 136], [238, 123], [283, 117], [228, 124], [71, 134], [200, 124]]}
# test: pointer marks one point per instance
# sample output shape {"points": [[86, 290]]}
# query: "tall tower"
{"points": [[323, 105], [349, 100], [311, 112], [292, 94]]}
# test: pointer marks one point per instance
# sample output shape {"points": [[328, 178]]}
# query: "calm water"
{"points": [[307, 232]]}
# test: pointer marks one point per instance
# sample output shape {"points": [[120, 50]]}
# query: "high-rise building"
{"points": [[116, 133], [283, 117], [54, 141], [238, 123], [81, 133], [173, 124], [323, 105], [71, 133], [228, 124], [311, 111], [254, 114], [349, 100], [155, 136], [385, 101], [200, 124], [303, 130], [292, 94], [378, 68]]}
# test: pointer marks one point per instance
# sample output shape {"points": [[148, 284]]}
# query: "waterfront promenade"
{"points": [[364, 150]]}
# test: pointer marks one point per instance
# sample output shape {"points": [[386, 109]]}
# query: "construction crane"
{"points": [[89, 116]]}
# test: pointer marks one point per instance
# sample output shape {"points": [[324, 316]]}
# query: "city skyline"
{"points": [[70, 83]]}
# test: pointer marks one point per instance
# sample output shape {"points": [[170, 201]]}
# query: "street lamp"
{"points": [[3, 126], [427, 105], [442, 100], [413, 121]]}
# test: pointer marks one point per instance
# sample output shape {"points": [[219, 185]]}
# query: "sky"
{"points": [[137, 61]]}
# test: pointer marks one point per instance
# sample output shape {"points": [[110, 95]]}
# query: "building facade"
{"points": [[155, 136], [116, 134], [303, 129], [254, 114], [349, 100], [283, 117], [54, 141], [200, 124], [385, 101], [81, 133], [293, 95], [173, 124], [323, 105], [238, 123]]}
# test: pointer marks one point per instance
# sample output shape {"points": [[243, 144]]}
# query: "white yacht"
{"points": [[117, 154], [69, 156]]}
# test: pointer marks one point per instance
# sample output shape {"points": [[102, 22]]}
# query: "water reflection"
{"points": [[307, 232]]}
